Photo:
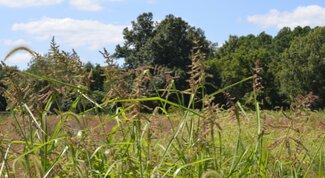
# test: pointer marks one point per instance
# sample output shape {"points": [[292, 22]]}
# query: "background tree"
{"points": [[236, 60], [301, 68], [135, 50], [167, 44]]}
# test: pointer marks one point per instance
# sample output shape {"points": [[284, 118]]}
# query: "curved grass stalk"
{"points": [[190, 164], [19, 48]]}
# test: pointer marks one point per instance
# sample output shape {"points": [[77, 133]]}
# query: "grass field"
{"points": [[164, 145]]}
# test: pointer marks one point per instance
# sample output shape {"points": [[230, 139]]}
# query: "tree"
{"points": [[285, 36], [282, 40], [302, 66], [236, 60], [135, 50], [168, 44]]}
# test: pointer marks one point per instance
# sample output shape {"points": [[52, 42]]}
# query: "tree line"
{"points": [[291, 66]]}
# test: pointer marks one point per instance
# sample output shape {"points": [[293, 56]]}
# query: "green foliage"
{"points": [[237, 58], [292, 64], [136, 50], [301, 68], [168, 43]]}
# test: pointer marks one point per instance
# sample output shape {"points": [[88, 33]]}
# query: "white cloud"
{"points": [[87, 5], [28, 3], [18, 42], [20, 59], [312, 15], [75, 33], [90, 5]]}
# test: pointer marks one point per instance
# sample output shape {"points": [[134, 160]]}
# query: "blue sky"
{"points": [[89, 25]]}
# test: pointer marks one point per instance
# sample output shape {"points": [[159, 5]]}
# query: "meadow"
{"points": [[172, 140]]}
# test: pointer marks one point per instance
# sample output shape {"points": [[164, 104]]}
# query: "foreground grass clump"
{"points": [[162, 145]]}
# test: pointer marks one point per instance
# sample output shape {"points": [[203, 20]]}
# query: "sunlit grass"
{"points": [[106, 145]]}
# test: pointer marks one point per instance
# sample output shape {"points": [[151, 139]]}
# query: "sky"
{"points": [[88, 26]]}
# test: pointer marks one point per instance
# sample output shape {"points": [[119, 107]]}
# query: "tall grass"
{"points": [[175, 139]]}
